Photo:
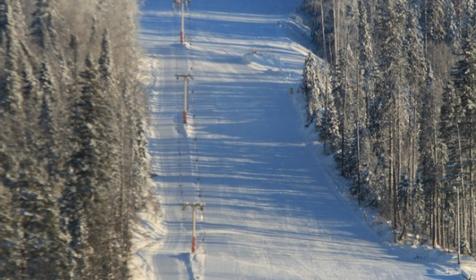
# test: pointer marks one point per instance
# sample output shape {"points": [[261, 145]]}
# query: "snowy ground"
{"points": [[273, 209]]}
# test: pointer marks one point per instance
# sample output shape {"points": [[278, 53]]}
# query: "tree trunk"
{"points": [[358, 137], [335, 13], [471, 193], [324, 44], [390, 182]]}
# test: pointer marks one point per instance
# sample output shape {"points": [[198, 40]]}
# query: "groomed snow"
{"points": [[273, 209]]}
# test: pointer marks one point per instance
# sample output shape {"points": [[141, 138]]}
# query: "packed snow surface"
{"points": [[273, 209]]}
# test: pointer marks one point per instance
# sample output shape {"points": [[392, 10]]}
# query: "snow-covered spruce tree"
{"points": [[10, 253], [30, 94], [433, 19], [3, 20], [48, 124], [450, 119], [366, 59], [363, 96], [329, 128], [451, 24], [140, 157], [10, 97], [111, 155], [415, 72], [430, 170], [340, 96], [311, 87], [86, 201], [11, 146], [435, 33], [38, 88], [80, 189], [105, 63], [463, 74], [352, 117], [42, 28], [44, 247], [386, 106]]}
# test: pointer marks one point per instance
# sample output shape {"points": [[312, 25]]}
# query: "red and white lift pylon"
{"points": [[186, 82], [198, 206], [182, 4]]}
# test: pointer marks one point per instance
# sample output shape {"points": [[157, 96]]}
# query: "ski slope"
{"points": [[273, 210]]}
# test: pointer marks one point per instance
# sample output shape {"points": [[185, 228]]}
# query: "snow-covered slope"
{"points": [[272, 206]]}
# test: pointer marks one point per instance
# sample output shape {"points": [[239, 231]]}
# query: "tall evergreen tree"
{"points": [[42, 26], [366, 58], [3, 20], [311, 86], [80, 190], [110, 154], [430, 169], [10, 97], [81, 209], [434, 19], [105, 62], [385, 117], [44, 247], [341, 99], [47, 123], [10, 250], [463, 74]]}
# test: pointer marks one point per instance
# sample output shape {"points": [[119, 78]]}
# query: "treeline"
{"points": [[72, 146], [398, 109]]}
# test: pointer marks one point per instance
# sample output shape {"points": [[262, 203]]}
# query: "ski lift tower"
{"points": [[182, 4], [186, 82], [198, 206]]}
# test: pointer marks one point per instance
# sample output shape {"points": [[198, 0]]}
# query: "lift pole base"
{"points": [[184, 115]]}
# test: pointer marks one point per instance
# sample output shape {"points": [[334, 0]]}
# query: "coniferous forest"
{"points": [[72, 143], [390, 87], [396, 105]]}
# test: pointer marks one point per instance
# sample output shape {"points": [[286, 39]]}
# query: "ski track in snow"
{"points": [[272, 206]]}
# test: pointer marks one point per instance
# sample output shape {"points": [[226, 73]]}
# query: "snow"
{"points": [[274, 203]]}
